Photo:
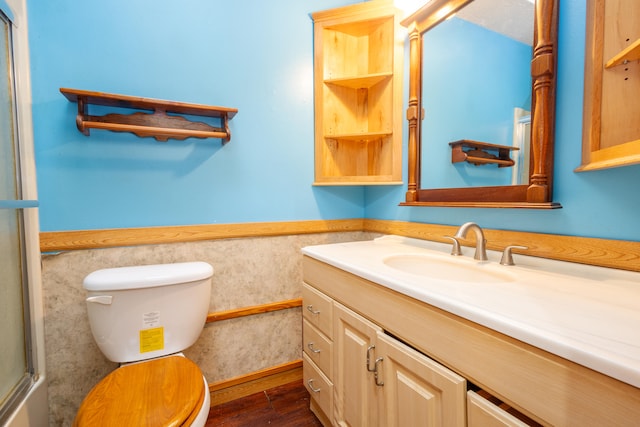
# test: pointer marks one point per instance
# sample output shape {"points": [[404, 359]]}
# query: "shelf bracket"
{"points": [[82, 113], [630, 53]]}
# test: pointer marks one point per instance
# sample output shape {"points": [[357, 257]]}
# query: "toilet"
{"points": [[143, 317]]}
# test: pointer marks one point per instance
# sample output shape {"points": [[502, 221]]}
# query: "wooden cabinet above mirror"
{"points": [[535, 191]]}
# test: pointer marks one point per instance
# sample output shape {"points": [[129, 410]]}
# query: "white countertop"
{"points": [[589, 315]]}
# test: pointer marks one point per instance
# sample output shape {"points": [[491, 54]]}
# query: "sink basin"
{"points": [[441, 268]]}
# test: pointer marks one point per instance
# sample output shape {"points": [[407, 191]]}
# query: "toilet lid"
{"points": [[160, 392]]}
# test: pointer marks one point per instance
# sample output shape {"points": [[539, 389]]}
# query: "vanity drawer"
{"points": [[317, 309], [318, 347], [319, 386], [483, 413]]}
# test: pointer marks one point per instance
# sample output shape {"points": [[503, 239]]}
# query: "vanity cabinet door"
{"points": [[357, 398], [417, 390]]}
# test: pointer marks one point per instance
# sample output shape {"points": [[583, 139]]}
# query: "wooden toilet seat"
{"points": [[162, 392]]}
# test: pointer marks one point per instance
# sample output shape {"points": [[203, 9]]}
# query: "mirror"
{"points": [[482, 105], [495, 148]]}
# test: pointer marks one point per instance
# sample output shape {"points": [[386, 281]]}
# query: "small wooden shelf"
{"points": [[157, 124], [630, 53], [362, 136], [478, 153], [360, 82]]}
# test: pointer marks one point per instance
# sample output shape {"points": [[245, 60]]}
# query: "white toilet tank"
{"points": [[142, 312]]}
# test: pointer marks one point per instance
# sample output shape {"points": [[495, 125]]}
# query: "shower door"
{"points": [[19, 377]]}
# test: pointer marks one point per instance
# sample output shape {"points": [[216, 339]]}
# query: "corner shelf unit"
{"points": [[479, 153], [358, 95], [158, 124]]}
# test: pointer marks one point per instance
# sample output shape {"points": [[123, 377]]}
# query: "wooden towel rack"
{"points": [[478, 153], [165, 120]]}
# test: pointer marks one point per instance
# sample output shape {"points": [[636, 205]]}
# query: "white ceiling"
{"points": [[512, 18]]}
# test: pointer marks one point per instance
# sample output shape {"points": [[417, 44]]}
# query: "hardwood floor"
{"points": [[283, 406]]}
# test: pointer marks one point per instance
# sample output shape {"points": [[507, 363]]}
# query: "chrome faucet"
{"points": [[481, 242]]}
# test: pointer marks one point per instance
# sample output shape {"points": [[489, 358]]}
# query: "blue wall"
{"points": [[602, 204], [255, 56]]}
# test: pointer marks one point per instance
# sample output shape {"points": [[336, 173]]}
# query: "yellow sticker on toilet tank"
{"points": [[151, 339]]}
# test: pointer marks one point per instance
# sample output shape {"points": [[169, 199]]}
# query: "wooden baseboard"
{"points": [[255, 382]]}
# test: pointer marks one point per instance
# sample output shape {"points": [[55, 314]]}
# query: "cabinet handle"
{"points": [[313, 389], [371, 347], [310, 308], [310, 346], [375, 374]]}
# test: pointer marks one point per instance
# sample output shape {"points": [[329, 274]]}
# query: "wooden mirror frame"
{"points": [[538, 193]]}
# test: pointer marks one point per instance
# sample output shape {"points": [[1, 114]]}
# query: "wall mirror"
{"points": [[481, 103]]}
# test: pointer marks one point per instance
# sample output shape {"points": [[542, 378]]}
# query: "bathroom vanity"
{"points": [[398, 332]]}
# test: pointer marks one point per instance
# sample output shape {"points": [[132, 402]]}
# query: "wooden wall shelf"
{"points": [[610, 133], [478, 153], [360, 82], [360, 136], [157, 124]]}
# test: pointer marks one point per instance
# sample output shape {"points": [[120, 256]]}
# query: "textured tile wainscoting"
{"points": [[247, 272]]}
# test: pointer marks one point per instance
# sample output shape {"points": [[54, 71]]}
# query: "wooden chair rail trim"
{"points": [[619, 254], [53, 241], [256, 309]]}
